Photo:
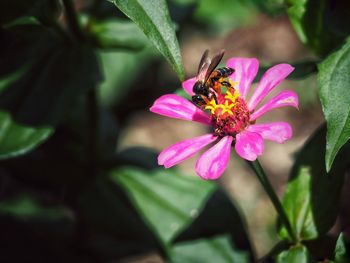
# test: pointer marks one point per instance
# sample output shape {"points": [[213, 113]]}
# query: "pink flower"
{"points": [[231, 116]]}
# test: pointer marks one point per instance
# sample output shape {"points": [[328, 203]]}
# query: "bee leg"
{"points": [[226, 84], [213, 96]]}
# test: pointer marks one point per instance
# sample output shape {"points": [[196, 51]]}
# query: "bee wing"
{"points": [[203, 66], [203, 71], [214, 63], [204, 59]]}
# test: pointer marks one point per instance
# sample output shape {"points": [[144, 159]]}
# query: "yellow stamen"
{"points": [[232, 97], [211, 106], [233, 84]]}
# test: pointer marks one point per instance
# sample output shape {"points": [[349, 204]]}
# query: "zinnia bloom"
{"points": [[231, 116]]}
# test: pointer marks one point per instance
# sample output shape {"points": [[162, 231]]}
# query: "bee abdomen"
{"points": [[223, 72]]}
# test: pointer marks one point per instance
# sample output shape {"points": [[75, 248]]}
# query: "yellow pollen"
{"points": [[212, 106], [232, 97], [233, 84], [226, 108], [229, 103]]}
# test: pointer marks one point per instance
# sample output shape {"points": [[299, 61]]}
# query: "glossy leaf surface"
{"points": [[334, 79], [312, 196], [165, 198], [217, 249], [18, 139]]}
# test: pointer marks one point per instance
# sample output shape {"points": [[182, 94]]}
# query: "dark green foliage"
{"points": [[311, 209], [334, 79], [72, 75], [321, 24]]}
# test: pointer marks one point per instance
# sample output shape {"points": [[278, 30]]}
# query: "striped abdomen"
{"points": [[222, 72]]}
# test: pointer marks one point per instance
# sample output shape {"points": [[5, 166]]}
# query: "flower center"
{"points": [[229, 112]]}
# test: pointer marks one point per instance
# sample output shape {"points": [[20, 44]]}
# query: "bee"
{"points": [[208, 76]]}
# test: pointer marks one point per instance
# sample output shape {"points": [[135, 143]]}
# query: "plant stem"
{"points": [[93, 133], [72, 19], [259, 171], [92, 109]]}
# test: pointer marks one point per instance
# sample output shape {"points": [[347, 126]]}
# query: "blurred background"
{"points": [[53, 206]]}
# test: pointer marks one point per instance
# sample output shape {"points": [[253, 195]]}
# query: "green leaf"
{"points": [[218, 250], [297, 202], [219, 216], [270, 7], [312, 197], [181, 92], [296, 254], [43, 95], [138, 156], [119, 77], [334, 80], [154, 20], [164, 194], [114, 227], [12, 9], [118, 34], [302, 69], [342, 249], [33, 228], [235, 13], [17, 139], [44, 10], [25, 208], [317, 22]]}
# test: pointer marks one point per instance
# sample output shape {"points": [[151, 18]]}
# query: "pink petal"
{"points": [[187, 85], [276, 131], [249, 145], [174, 106], [282, 99], [214, 161], [181, 151], [268, 82], [245, 72]]}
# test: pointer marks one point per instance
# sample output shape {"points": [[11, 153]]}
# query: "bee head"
{"points": [[198, 100], [199, 88]]}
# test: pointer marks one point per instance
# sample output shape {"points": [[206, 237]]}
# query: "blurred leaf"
{"points": [[44, 10], [9, 79], [296, 254], [302, 69], [334, 79], [34, 229], [217, 249], [218, 217], [43, 95], [185, 2], [181, 92], [12, 9], [121, 70], [118, 34], [153, 18], [224, 16], [342, 250], [313, 20], [139, 156], [276, 250], [113, 228], [297, 202], [164, 198], [18, 139], [271, 7], [321, 247], [25, 208], [312, 197]]}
